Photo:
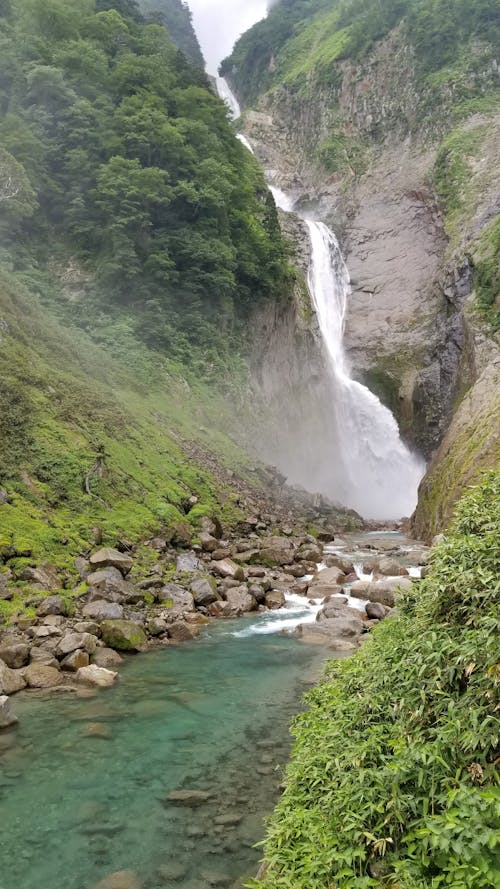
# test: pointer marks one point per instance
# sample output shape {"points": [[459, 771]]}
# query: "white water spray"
{"points": [[227, 96], [372, 470]]}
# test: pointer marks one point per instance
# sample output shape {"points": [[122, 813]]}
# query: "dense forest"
{"points": [[177, 18], [114, 150], [325, 32]]}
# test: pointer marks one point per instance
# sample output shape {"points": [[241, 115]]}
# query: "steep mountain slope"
{"points": [[384, 117], [178, 20]]}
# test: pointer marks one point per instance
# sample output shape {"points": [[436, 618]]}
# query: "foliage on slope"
{"points": [[128, 162], [299, 36], [178, 20], [394, 776]]}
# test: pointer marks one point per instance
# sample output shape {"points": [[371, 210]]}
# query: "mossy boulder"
{"points": [[124, 635]]}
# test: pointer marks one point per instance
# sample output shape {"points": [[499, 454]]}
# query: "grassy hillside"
{"points": [[394, 777]]}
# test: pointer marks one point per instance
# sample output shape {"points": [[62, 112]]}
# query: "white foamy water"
{"points": [[244, 141], [298, 610], [228, 97], [370, 467]]}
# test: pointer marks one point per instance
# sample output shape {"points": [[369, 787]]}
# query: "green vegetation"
{"points": [[177, 18], [487, 273], [122, 157], [394, 776]]}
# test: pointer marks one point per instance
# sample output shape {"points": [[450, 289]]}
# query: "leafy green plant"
{"points": [[394, 780]]}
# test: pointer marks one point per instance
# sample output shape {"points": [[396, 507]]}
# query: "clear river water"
{"points": [[84, 781]]}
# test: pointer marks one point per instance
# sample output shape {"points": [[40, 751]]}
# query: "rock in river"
{"points": [[7, 717], [96, 676], [10, 680], [40, 676], [15, 654], [124, 635], [123, 879]]}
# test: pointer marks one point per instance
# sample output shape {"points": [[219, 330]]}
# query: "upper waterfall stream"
{"points": [[373, 470]]}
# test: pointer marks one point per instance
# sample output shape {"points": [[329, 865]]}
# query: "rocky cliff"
{"points": [[399, 158]]}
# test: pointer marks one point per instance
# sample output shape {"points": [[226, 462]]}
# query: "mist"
{"points": [[219, 23]]}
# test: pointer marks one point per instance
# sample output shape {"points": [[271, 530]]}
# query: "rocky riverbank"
{"points": [[78, 641]]}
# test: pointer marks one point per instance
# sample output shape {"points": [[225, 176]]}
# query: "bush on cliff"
{"points": [[393, 780]]}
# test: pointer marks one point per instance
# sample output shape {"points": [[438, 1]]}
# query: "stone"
{"points": [[375, 611], [82, 566], [52, 605], [228, 568], [208, 543], [211, 525], [246, 556], [123, 879], [175, 598], [240, 600], [191, 799], [103, 577], [360, 589], [277, 551], [11, 681], [74, 661], [391, 568], [102, 610], [74, 641], [15, 655], [41, 676], [256, 571], [204, 591], [112, 558], [124, 635], [180, 631], [87, 626], [156, 626], [188, 563], [310, 553], [98, 677], [275, 599], [332, 560], [324, 580], [172, 872], [43, 657], [324, 634], [386, 592], [7, 717], [257, 591], [220, 609], [106, 657], [44, 578], [181, 534]]}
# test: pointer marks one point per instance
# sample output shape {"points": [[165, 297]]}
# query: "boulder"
{"points": [[240, 600], [386, 592], [180, 631], [204, 591], [275, 599], [191, 799], [321, 634], [96, 676], [360, 589], [52, 605], [181, 534], [391, 568], [208, 543], [220, 609], [11, 681], [87, 626], [106, 657], [375, 611], [40, 676], [102, 610], [157, 626], [176, 599], [124, 635], [228, 568], [258, 592], [332, 560], [246, 556], [123, 879], [15, 654], [7, 718], [112, 558], [43, 657], [310, 553], [342, 623], [105, 577], [74, 641], [74, 661], [188, 563], [277, 551], [329, 577], [44, 578]]}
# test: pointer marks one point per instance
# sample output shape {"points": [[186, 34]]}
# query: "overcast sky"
{"points": [[219, 23]]}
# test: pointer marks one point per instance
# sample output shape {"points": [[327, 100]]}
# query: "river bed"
{"points": [[84, 785]]}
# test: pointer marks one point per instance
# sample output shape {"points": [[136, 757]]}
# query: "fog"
{"points": [[219, 23]]}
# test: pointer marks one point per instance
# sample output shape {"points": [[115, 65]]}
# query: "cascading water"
{"points": [[228, 97], [372, 470]]}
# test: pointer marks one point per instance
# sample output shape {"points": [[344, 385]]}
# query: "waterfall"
{"points": [[228, 97], [371, 469]]}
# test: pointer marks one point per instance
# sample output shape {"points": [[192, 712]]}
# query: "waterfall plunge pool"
{"points": [[84, 782]]}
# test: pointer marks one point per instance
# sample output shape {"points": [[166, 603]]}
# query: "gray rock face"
{"points": [[11, 681], [175, 600], [7, 717], [112, 558], [277, 551], [44, 578], [102, 610], [52, 605]]}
